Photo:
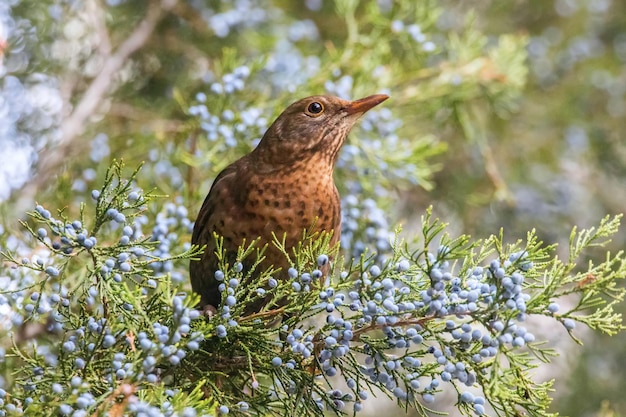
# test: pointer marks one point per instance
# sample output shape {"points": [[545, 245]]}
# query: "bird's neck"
{"points": [[269, 163]]}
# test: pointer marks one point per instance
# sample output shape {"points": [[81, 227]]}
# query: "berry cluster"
{"points": [[421, 308], [171, 225], [230, 126], [85, 348], [364, 225]]}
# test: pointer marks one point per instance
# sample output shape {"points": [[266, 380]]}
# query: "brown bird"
{"points": [[284, 186]]}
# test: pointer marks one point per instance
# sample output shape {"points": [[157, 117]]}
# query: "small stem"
{"points": [[263, 314]]}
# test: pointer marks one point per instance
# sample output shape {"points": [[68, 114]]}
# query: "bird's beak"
{"points": [[362, 105]]}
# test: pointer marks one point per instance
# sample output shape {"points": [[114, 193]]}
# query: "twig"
{"points": [[263, 314], [75, 123], [98, 18], [410, 321]]}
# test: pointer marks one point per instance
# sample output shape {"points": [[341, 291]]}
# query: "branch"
{"points": [[75, 123]]}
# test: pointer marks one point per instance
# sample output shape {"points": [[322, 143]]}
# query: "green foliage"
{"points": [[135, 315], [98, 290]]}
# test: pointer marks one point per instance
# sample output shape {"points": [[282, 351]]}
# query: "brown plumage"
{"points": [[284, 186]]}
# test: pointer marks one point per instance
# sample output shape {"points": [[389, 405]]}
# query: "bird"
{"points": [[282, 188]]}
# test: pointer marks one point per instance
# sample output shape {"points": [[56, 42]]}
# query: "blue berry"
{"points": [[79, 363], [330, 341], [52, 271], [43, 212], [403, 265], [65, 409], [221, 331], [428, 398], [351, 383], [111, 213], [498, 326], [75, 381], [467, 397], [231, 300], [108, 341]]}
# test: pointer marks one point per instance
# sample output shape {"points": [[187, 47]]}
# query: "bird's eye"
{"points": [[315, 109]]}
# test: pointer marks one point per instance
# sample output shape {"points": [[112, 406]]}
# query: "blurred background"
{"points": [[502, 115]]}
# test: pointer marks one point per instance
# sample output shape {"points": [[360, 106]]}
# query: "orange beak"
{"points": [[364, 104]]}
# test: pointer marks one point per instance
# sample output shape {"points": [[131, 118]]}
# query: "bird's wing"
{"points": [[215, 205], [223, 179]]}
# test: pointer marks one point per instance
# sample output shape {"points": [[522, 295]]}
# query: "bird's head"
{"points": [[312, 126]]}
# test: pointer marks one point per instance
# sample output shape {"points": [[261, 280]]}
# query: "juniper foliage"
{"points": [[96, 317], [119, 334]]}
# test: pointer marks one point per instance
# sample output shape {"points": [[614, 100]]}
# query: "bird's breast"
{"points": [[290, 204]]}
